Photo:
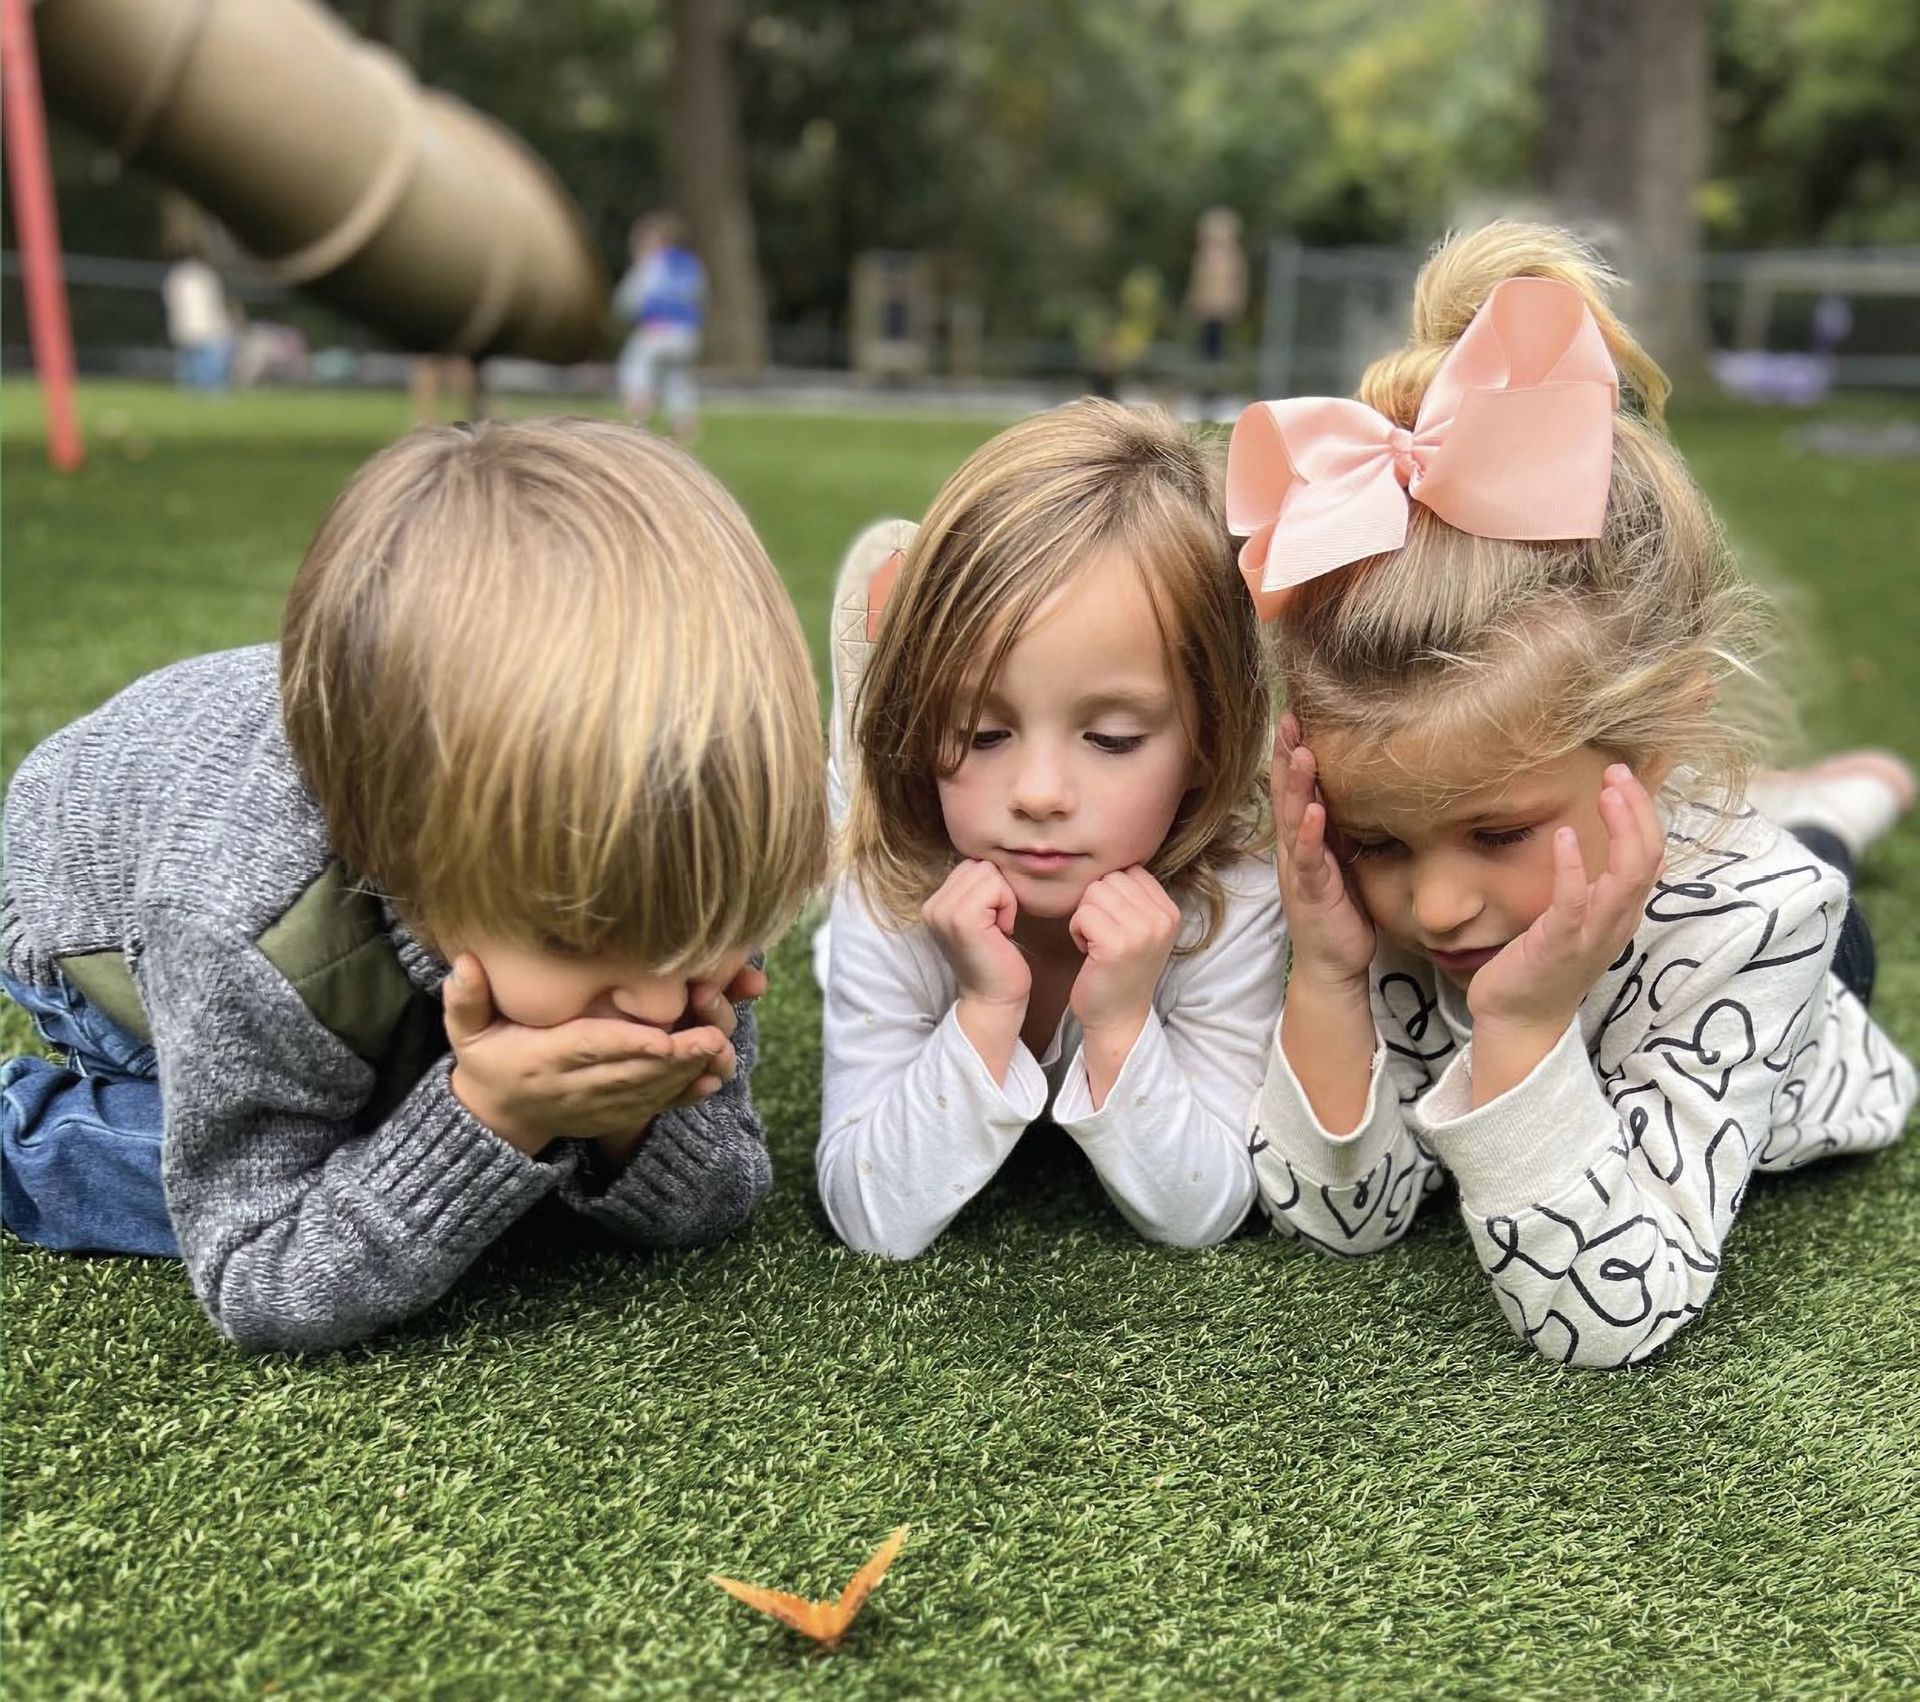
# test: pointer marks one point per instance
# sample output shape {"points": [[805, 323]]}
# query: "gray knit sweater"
{"points": [[173, 825]]}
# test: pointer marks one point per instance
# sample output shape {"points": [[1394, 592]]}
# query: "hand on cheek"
{"points": [[1332, 935], [1523, 1000], [1127, 927], [971, 919]]}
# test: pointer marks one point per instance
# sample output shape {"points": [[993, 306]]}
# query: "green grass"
{"points": [[1130, 1471]]}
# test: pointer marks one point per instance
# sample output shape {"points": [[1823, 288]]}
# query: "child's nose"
{"points": [[658, 1004], [1041, 787], [1443, 900]]}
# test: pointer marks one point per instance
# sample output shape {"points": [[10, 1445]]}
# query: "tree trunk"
{"points": [[707, 166], [1624, 147]]}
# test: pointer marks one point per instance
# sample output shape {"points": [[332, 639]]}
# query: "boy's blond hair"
{"points": [[1024, 513], [1527, 651], [546, 685]]}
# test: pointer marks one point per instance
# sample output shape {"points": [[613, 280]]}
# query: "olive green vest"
{"points": [[331, 945]]}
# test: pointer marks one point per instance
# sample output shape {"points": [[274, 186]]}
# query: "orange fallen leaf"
{"points": [[825, 1622]]}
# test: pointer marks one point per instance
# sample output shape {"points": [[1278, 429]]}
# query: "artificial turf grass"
{"points": [[1129, 1469], [1126, 1468], [183, 531]]}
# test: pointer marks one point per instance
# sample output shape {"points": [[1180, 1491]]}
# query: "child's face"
{"points": [[1080, 760], [1456, 882], [542, 987]]}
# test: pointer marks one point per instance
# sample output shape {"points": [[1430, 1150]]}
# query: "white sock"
{"points": [[1855, 808]]}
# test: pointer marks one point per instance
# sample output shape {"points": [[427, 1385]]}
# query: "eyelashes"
{"points": [[1110, 744], [1352, 850]]}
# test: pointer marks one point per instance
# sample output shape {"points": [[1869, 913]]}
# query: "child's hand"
{"points": [[585, 1079], [1333, 938], [971, 919], [1538, 981], [715, 1005], [1127, 925], [747, 985]]}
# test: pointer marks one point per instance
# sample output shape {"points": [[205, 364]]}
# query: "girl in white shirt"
{"points": [[1054, 774], [1539, 941]]}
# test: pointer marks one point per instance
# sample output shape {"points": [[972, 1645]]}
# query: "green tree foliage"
{"points": [[1817, 118], [581, 81], [1058, 147], [1046, 149]]}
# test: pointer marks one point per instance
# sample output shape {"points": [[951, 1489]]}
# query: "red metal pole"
{"points": [[35, 219]]}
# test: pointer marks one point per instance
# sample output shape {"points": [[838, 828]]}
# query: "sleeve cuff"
{"points": [[1333, 1161], [1024, 1093], [1074, 1109], [1527, 1145], [697, 1175], [440, 1171]]}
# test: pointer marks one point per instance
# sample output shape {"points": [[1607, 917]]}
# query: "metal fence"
{"points": [[1327, 313], [1323, 314]]}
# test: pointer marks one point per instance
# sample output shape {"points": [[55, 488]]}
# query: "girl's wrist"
{"points": [[1330, 981], [1117, 1028], [992, 1029], [993, 1007], [992, 1020], [1524, 1025], [1327, 1036], [1506, 1052], [1105, 1049]]}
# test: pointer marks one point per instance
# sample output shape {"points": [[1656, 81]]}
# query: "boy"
{"points": [[541, 710]]}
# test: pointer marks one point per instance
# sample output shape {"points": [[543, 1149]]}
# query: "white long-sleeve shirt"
{"points": [[914, 1125], [1599, 1191]]}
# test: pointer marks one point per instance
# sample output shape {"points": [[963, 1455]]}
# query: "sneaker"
{"points": [[1855, 796], [854, 621], [852, 636]]}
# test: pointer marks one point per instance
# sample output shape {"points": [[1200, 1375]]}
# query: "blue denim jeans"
{"points": [[80, 1141], [204, 366]]}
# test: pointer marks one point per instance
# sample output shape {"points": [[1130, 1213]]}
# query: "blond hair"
{"points": [[1024, 514], [1527, 651], [545, 684]]}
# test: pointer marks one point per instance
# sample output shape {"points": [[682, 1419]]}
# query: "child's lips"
{"points": [[1464, 962], [1041, 861]]}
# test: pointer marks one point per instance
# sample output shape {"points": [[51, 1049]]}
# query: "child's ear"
{"points": [[1654, 770]]}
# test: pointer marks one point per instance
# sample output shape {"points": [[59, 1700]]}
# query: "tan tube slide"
{"points": [[395, 203]]}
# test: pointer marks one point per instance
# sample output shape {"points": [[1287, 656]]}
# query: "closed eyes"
{"points": [[1111, 744], [1353, 850]]}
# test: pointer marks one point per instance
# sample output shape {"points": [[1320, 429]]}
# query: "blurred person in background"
{"points": [[1216, 289], [455, 377], [200, 324], [663, 298]]}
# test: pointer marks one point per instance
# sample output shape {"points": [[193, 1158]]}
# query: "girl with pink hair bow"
{"points": [[1542, 940]]}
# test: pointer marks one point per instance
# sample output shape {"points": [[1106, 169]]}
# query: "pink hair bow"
{"points": [[1513, 440]]}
